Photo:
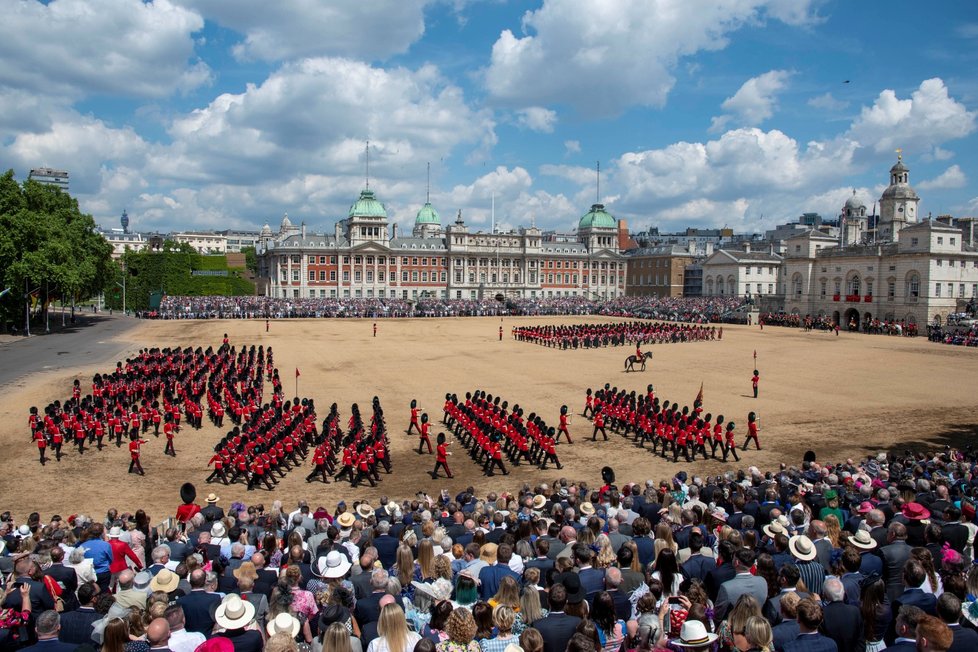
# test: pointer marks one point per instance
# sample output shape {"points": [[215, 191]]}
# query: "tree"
{"points": [[49, 249], [251, 259]]}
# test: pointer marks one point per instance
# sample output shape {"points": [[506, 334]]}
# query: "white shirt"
{"points": [[380, 644], [184, 641]]}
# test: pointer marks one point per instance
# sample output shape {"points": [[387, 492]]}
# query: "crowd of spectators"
{"points": [[856, 555], [685, 309], [826, 323]]}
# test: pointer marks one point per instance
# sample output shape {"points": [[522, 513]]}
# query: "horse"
{"points": [[632, 360]]}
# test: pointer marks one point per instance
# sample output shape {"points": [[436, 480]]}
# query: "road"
{"points": [[91, 339]]}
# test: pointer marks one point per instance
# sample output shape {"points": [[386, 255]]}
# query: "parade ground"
{"points": [[840, 396]]}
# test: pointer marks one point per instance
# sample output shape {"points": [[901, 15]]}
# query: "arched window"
{"points": [[709, 286], [854, 286], [720, 286], [732, 285], [796, 285], [913, 285]]}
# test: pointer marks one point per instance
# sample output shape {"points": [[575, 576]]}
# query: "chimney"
{"points": [[303, 230], [772, 249], [746, 246], [709, 248], [337, 231], [691, 246], [394, 231]]}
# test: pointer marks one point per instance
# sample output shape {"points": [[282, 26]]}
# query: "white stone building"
{"points": [[742, 272]]}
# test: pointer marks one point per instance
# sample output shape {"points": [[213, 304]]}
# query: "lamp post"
{"points": [[123, 285]]}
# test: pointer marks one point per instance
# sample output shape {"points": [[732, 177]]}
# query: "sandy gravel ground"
{"points": [[839, 396]]}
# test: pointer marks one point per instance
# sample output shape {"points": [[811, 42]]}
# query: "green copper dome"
{"points": [[427, 215], [367, 206], [597, 218]]}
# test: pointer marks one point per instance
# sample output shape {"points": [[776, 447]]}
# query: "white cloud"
{"points": [[917, 125], [754, 102], [277, 31], [537, 118], [952, 177], [572, 147], [828, 102], [602, 58], [75, 48]]}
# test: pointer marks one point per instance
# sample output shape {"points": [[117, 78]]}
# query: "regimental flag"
{"points": [[699, 394], [755, 354], [297, 374]]}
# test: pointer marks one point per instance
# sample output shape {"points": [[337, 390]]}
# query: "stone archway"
{"points": [[851, 320]]}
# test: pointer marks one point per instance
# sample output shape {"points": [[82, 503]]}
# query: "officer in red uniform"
{"points": [[599, 425], [218, 461], [754, 380], [57, 440], [588, 404], [375, 329], [42, 444], [563, 424], [752, 431], [415, 411], [134, 465], [424, 440], [500, 333], [168, 433], [441, 457], [319, 466], [730, 446], [495, 458]]}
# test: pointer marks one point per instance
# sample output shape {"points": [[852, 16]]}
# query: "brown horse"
{"points": [[632, 360]]}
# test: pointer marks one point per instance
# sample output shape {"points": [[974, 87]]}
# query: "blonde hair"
{"points": [[281, 642], [405, 565], [443, 567], [488, 553], [508, 592], [336, 638], [758, 633], [743, 610], [530, 604], [504, 617], [460, 627], [426, 559], [392, 626]]}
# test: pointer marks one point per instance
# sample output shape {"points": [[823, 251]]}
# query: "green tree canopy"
{"points": [[48, 247]]}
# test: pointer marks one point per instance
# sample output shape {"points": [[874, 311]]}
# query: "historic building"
{"points": [[365, 257], [901, 270], [660, 271], [749, 270]]}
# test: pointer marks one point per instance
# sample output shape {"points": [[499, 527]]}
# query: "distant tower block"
{"points": [[125, 221]]}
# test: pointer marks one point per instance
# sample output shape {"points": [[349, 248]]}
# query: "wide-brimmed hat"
{"points": [[284, 622], [439, 590], [693, 634], [212, 498], [218, 531], [346, 520], [915, 512], [719, 514], [142, 580], [831, 494], [332, 566], [365, 510], [216, 644], [575, 592], [246, 569], [539, 501], [115, 532], [23, 531], [392, 508], [233, 612], [801, 547], [865, 507], [166, 581], [587, 508], [774, 528], [862, 540]]}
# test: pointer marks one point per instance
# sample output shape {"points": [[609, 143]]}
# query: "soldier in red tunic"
{"points": [[730, 446], [563, 425], [42, 444], [752, 431], [441, 457], [599, 425], [169, 434], [134, 465], [424, 440], [319, 466]]}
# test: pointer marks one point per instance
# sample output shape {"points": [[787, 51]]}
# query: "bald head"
{"points": [[258, 560], [126, 578], [568, 533], [158, 633], [386, 599]]}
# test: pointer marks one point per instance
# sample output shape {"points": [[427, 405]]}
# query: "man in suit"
{"points": [[724, 571], [541, 561], [361, 581], [875, 519], [933, 635], [616, 538], [787, 629], [695, 563], [823, 546], [40, 597], [809, 639], [386, 545], [47, 625], [914, 576], [179, 548], [64, 576], [212, 512], [788, 578], [954, 533], [267, 579], [127, 596], [198, 606], [592, 579], [557, 628], [490, 576], [368, 608], [895, 554], [76, 626], [630, 579], [949, 610], [842, 622], [158, 635], [612, 582], [161, 557], [906, 629], [743, 582]]}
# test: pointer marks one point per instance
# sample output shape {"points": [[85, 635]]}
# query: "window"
{"points": [[381, 260], [950, 289], [937, 289], [913, 287], [332, 276], [404, 277], [381, 276], [414, 261], [759, 288], [370, 260], [357, 276], [961, 290], [414, 276], [322, 275], [296, 260], [940, 263], [747, 271], [404, 260], [822, 288], [770, 288], [322, 260], [950, 263], [424, 277], [890, 290], [346, 260], [312, 275], [952, 241], [332, 260], [424, 261], [312, 260], [797, 248], [346, 276], [940, 240], [913, 242]]}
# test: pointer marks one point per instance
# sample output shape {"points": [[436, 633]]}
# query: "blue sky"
{"points": [[212, 114]]}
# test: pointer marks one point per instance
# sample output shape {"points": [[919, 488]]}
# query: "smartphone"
{"points": [[674, 600]]}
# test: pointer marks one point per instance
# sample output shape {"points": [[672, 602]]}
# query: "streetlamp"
{"points": [[123, 284]]}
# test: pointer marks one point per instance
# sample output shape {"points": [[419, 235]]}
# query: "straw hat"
{"points": [[539, 501], [246, 569], [233, 612], [802, 548], [284, 622], [862, 540], [587, 508], [212, 498], [346, 520], [166, 581], [332, 566], [365, 510], [218, 531], [694, 634], [115, 532], [774, 528]]}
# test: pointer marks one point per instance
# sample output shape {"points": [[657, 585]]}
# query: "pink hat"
{"points": [[216, 644], [915, 512], [864, 507]]}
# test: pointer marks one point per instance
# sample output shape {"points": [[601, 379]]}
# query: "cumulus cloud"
{"points": [[80, 47], [277, 31], [953, 177], [930, 117], [572, 147], [537, 118], [754, 102], [827, 102], [602, 58]]}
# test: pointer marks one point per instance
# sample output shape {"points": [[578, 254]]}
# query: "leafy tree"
{"points": [[48, 248], [251, 259]]}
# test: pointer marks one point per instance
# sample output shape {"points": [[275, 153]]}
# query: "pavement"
{"points": [[91, 339]]}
